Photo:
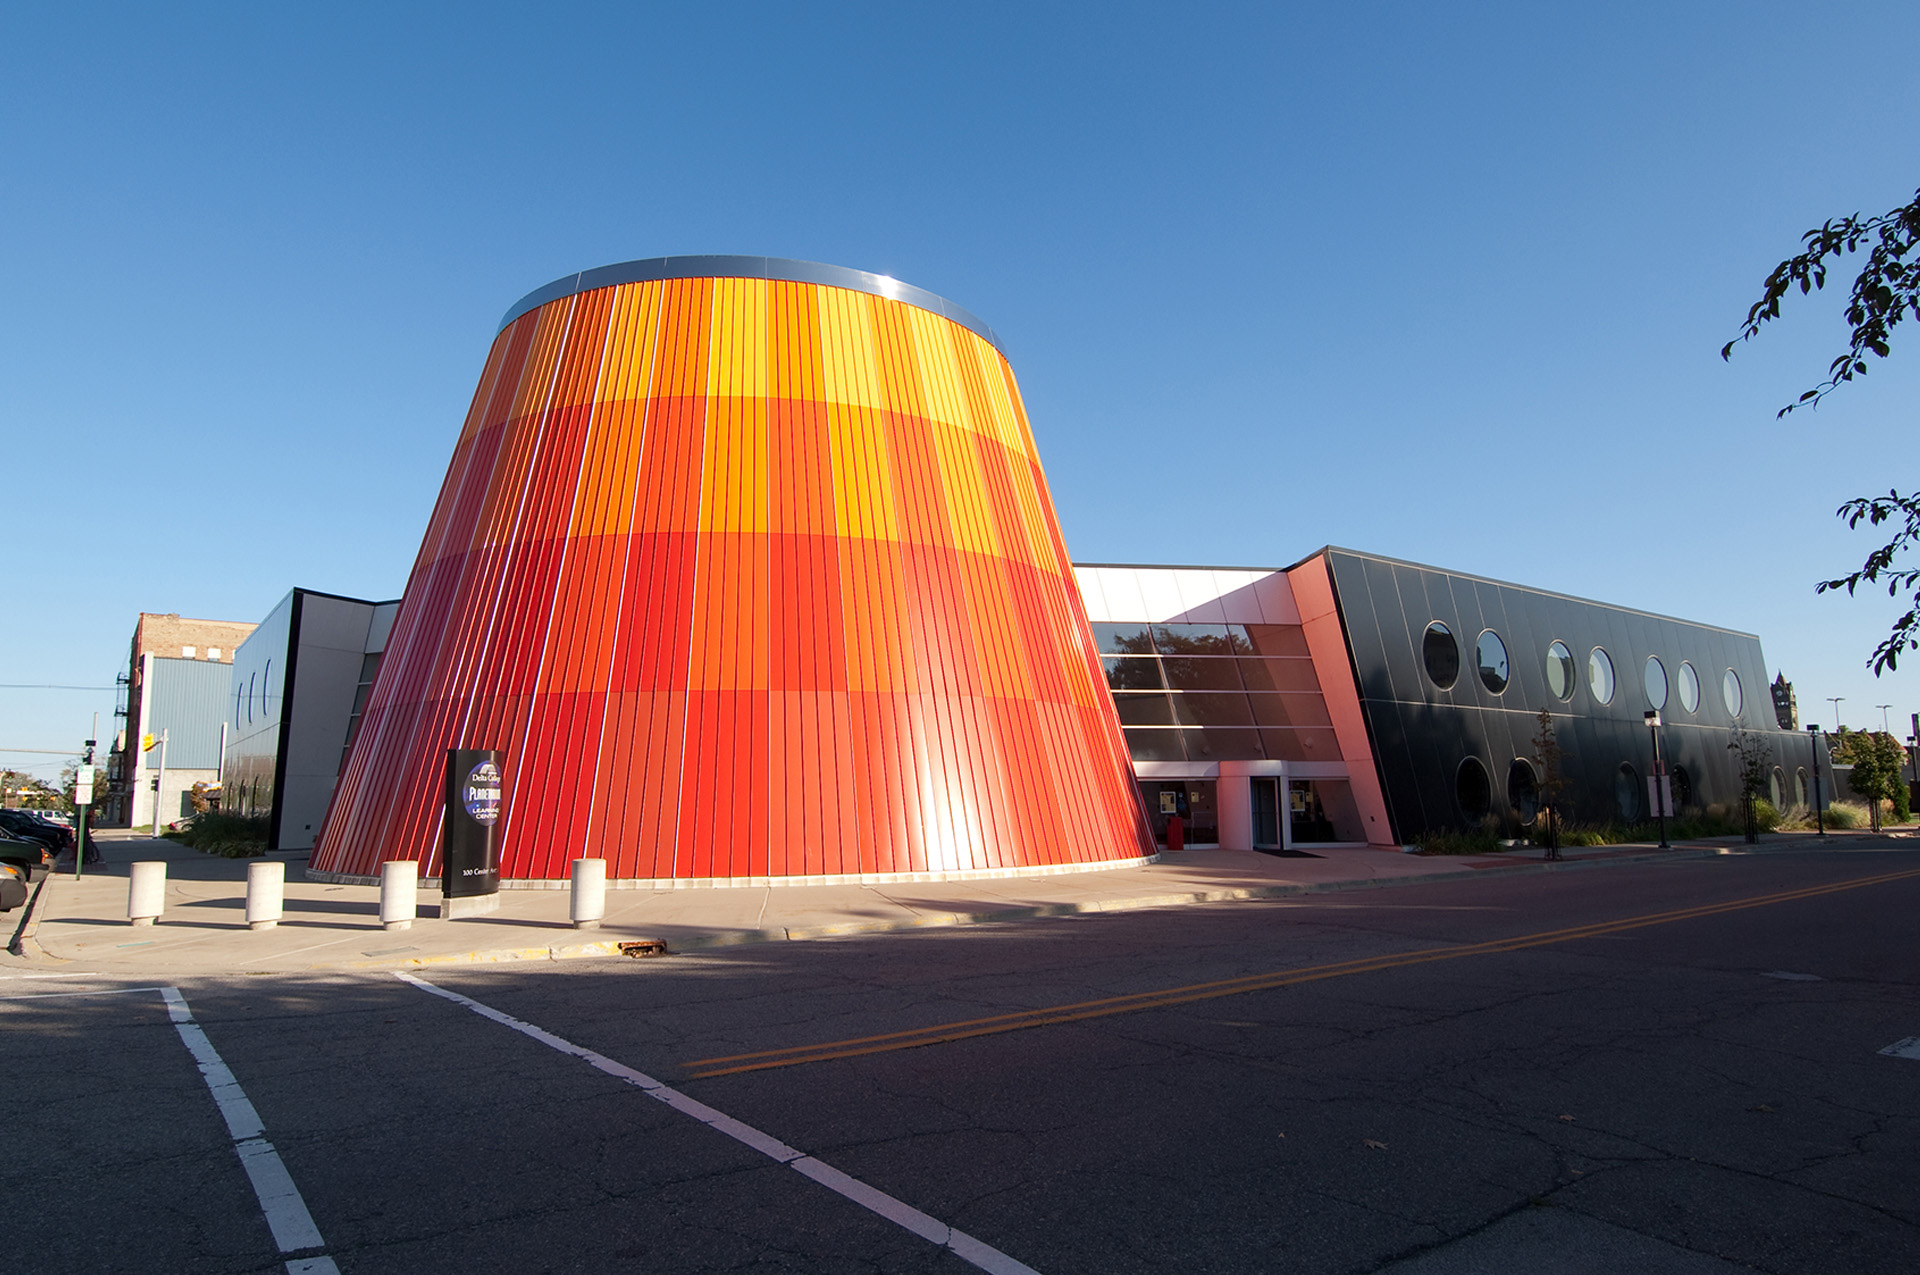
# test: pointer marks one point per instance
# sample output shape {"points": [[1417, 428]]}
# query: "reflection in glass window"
{"points": [[1202, 673], [1132, 672], [1523, 790], [1122, 639], [1193, 639], [1656, 682], [1491, 653], [1136, 709], [1600, 675], [1223, 745], [1301, 745], [1147, 744], [1290, 710], [1626, 792], [1276, 639], [1441, 654], [1280, 675], [1238, 640], [1689, 687], [1212, 708], [1730, 693], [1471, 788], [1560, 673]]}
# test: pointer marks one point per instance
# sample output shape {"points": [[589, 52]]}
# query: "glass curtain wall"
{"points": [[1216, 692]]}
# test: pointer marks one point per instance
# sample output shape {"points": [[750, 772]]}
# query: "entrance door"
{"points": [[1266, 812]]}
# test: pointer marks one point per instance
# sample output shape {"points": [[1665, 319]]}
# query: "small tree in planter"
{"points": [[1753, 756], [1547, 755]]}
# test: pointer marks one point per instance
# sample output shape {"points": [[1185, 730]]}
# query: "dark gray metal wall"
{"points": [[1421, 733]]}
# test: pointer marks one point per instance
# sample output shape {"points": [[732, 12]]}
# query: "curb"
{"points": [[945, 920], [23, 943]]}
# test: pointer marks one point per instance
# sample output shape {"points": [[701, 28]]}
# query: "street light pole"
{"points": [[1884, 728], [1819, 816], [1836, 701], [1659, 787]]}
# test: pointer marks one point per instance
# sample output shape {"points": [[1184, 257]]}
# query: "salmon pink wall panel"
{"points": [[750, 570]]}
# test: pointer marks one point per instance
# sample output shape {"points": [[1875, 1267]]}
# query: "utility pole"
{"points": [[1819, 816], [1836, 701], [82, 799], [159, 781]]}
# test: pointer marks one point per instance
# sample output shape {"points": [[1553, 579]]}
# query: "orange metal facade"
{"points": [[748, 578]]}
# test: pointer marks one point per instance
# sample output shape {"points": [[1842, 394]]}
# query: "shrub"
{"points": [[1589, 834], [229, 836], [1795, 817], [1846, 814], [1477, 842]]}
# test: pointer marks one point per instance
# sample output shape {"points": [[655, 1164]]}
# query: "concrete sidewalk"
{"points": [[82, 927]]}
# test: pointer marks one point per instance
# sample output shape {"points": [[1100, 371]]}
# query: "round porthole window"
{"points": [[1473, 790], [1656, 682], [1492, 655], [1682, 787], [1800, 786], [1600, 675], [1777, 788], [1523, 790], [1730, 692], [1441, 654], [1626, 792], [1560, 671], [1689, 687]]}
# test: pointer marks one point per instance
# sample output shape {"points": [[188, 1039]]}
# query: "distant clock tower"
{"points": [[1786, 709]]}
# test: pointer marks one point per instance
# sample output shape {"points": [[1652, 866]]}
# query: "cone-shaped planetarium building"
{"points": [[749, 568]]}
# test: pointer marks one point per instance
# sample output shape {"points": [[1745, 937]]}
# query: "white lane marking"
{"points": [[1908, 1048], [1791, 977], [312, 1266], [962, 1245], [280, 1202]]}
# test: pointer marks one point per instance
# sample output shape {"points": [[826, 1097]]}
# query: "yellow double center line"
{"points": [[942, 1033]]}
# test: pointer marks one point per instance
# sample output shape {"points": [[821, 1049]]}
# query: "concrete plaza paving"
{"points": [[82, 925]]}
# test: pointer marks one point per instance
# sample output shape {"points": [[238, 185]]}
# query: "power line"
{"points": [[50, 686]]}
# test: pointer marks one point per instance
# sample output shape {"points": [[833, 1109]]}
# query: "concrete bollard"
{"points": [[266, 893], [399, 893], [146, 891], [589, 904]]}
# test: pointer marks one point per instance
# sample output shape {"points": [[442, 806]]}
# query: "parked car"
{"points": [[24, 824], [21, 863]]}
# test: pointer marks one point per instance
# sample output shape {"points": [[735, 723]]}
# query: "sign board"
{"points": [[83, 786], [1660, 795], [470, 852]]}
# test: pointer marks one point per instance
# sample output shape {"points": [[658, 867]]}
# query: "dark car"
{"points": [[21, 861], [26, 825]]}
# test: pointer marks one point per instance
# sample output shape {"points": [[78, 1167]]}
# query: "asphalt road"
{"points": [[1517, 1074]]}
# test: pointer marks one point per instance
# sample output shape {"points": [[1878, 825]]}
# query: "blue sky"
{"points": [[1445, 283]]}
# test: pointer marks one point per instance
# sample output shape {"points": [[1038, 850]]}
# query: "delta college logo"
{"points": [[481, 793]]}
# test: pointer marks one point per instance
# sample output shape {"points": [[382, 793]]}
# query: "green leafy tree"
{"points": [[1879, 766], [22, 789], [1886, 291]]}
